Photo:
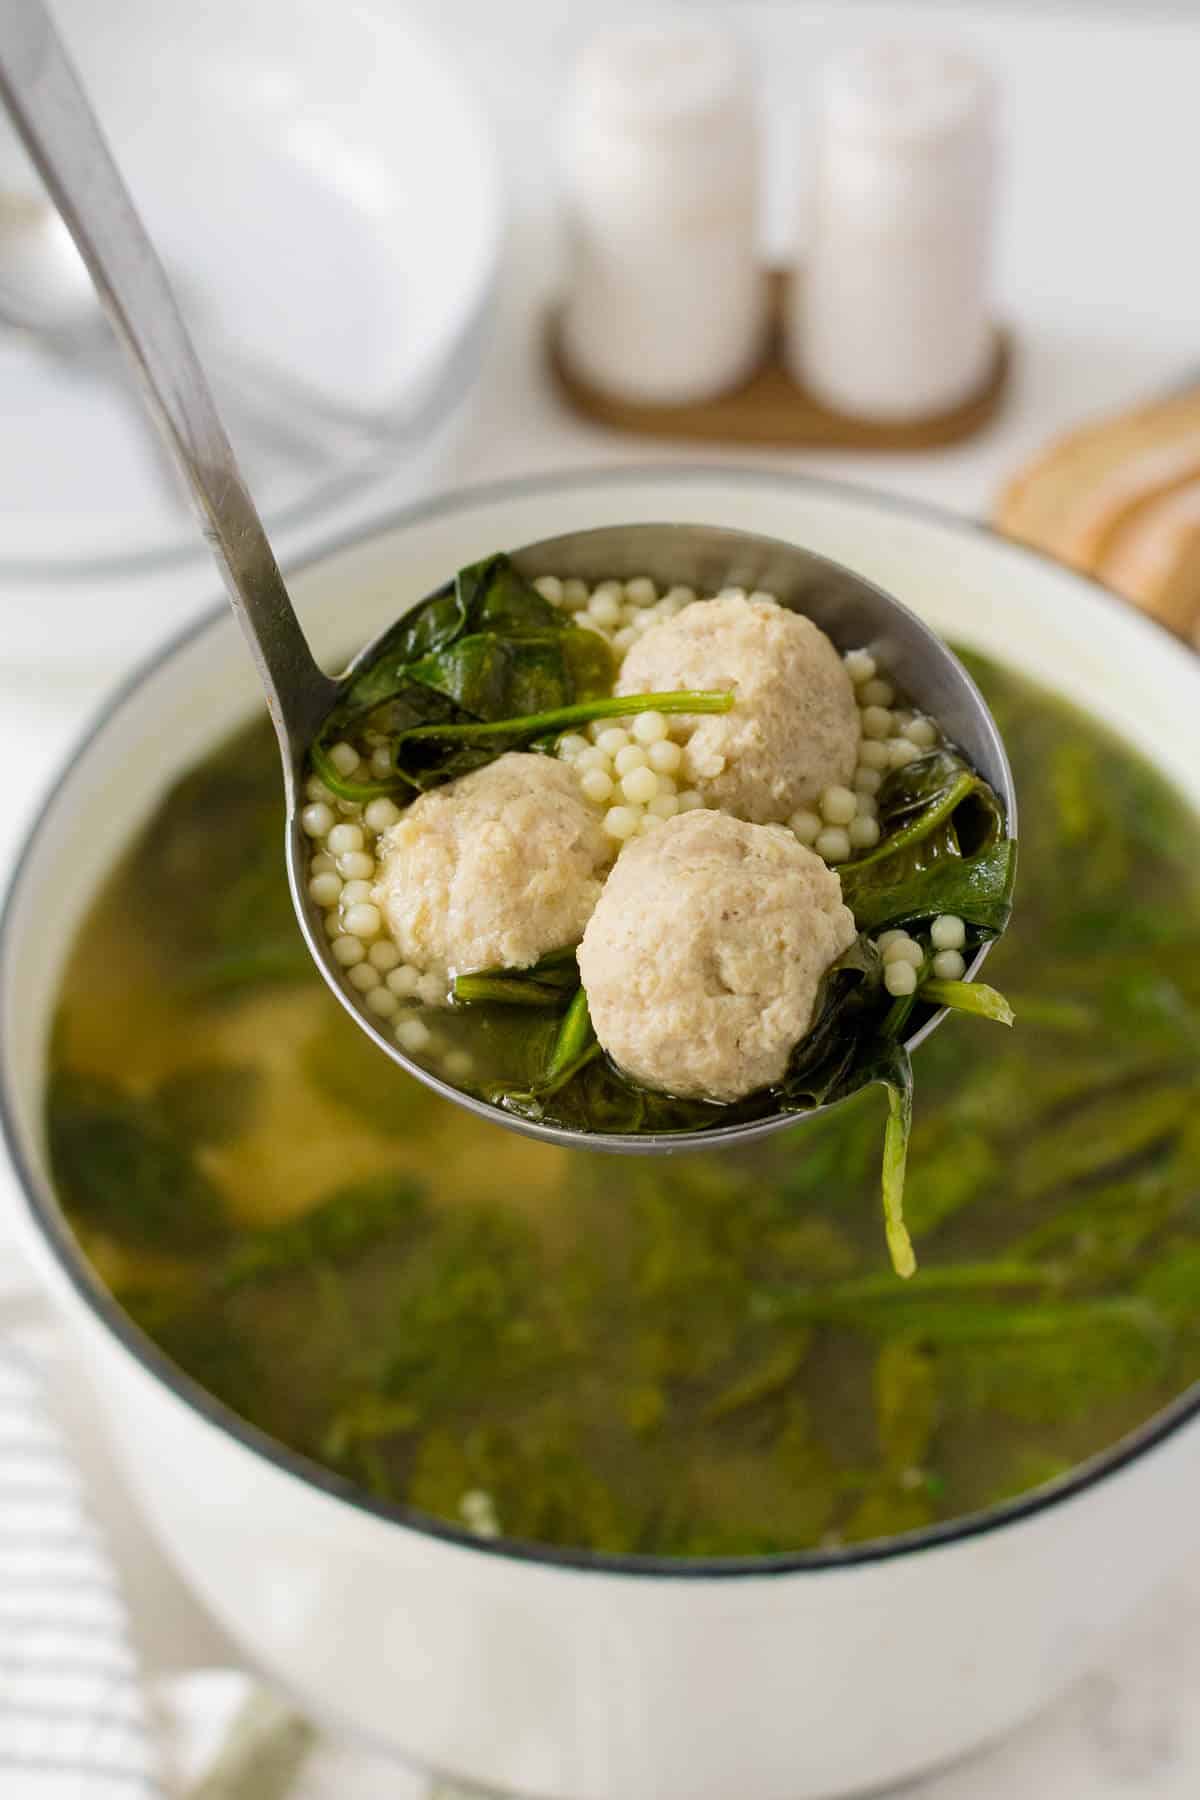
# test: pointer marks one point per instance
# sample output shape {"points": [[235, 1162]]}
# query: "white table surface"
{"points": [[1099, 273]]}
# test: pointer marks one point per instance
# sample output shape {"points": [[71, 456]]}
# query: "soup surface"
{"points": [[698, 1356]]}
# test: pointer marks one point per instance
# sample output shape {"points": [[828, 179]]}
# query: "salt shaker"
{"points": [[666, 299], [891, 319]]}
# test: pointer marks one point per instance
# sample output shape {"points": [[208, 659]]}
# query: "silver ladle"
{"points": [[54, 118]]}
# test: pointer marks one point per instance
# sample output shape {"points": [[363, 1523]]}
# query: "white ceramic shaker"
{"points": [[666, 294], [892, 319]]}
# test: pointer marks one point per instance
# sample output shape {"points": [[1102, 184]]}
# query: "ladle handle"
{"points": [[54, 118]]}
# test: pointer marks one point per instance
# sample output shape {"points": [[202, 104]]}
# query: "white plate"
{"points": [[325, 194]]}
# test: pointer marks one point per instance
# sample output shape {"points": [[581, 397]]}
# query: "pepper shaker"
{"points": [[666, 300], [891, 319]]}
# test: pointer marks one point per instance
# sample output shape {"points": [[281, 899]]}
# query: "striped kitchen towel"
{"points": [[77, 1719], [73, 1722], [227, 1737]]}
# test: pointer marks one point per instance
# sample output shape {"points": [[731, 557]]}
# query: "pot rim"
{"points": [[46, 1215]]}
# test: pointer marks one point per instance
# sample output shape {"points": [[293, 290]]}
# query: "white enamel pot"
{"points": [[593, 1677]]}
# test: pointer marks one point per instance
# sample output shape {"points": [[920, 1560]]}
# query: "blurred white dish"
{"points": [[326, 196]]}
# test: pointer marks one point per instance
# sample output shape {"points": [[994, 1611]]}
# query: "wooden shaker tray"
{"points": [[772, 409]]}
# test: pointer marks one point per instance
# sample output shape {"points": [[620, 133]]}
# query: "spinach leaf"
{"points": [[352, 1220], [942, 850], [977, 888], [119, 1165], [427, 755], [487, 596], [854, 1044], [773, 1376], [850, 1003], [548, 982], [1053, 1363], [507, 670], [934, 788], [209, 1103], [969, 997], [873, 1298], [392, 714], [493, 597], [575, 1038], [558, 968], [471, 1309], [419, 633], [575, 1049], [485, 648], [1100, 1233], [934, 1315], [894, 1070], [907, 1403], [1099, 1137], [497, 678], [206, 879], [931, 808], [542, 1486], [505, 990], [591, 1094]]}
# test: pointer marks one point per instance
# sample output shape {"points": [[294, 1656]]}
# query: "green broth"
{"points": [[697, 1356]]}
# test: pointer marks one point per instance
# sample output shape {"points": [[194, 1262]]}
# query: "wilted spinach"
{"points": [[339, 1229], [978, 888], [549, 982], [120, 1163], [483, 667]]}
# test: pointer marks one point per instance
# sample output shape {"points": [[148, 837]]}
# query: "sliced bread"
{"points": [[1080, 489], [1153, 558], [1119, 498]]}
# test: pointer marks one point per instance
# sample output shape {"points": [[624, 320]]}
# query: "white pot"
{"points": [[593, 1677]]}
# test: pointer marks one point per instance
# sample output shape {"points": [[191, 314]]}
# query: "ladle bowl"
{"points": [[851, 610]]}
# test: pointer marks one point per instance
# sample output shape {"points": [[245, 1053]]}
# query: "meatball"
{"points": [[794, 729], [703, 958], [494, 869]]}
